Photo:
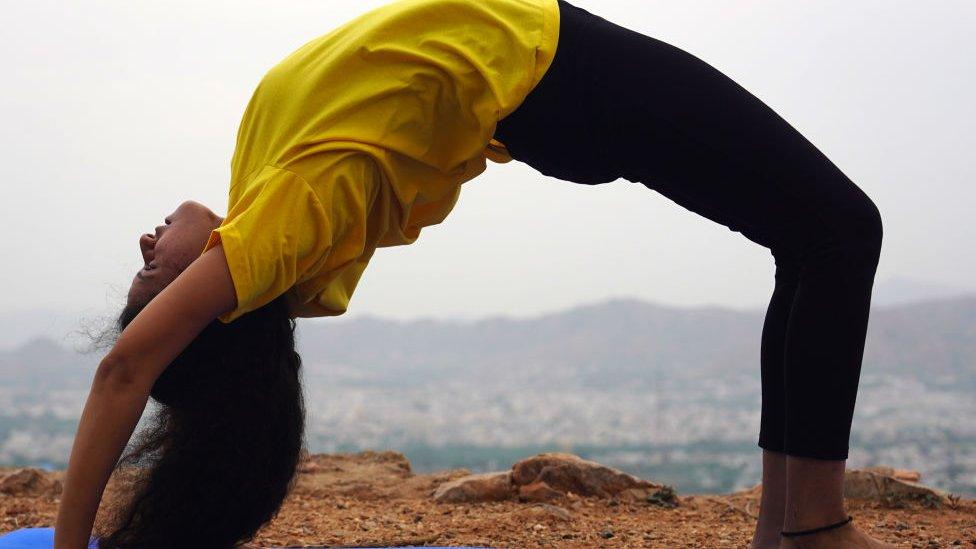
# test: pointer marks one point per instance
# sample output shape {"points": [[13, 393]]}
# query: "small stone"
{"points": [[476, 488], [664, 497], [537, 492], [607, 533], [309, 467], [556, 511]]}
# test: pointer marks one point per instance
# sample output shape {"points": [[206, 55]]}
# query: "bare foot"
{"points": [[845, 537]]}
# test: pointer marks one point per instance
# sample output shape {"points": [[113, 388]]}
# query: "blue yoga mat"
{"points": [[32, 538], [43, 538]]}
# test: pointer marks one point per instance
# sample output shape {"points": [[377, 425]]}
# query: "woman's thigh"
{"points": [[678, 125], [619, 104]]}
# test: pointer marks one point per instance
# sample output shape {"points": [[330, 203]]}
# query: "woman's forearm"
{"points": [[114, 406], [157, 335]]}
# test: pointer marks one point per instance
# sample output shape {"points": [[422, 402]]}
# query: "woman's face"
{"points": [[172, 247]]}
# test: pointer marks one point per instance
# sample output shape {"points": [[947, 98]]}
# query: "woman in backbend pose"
{"points": [[364, 136]]}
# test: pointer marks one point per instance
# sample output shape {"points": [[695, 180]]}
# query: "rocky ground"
{"points": [[372, 499]]}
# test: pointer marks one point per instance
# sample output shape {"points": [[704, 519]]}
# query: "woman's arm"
{"points": [[122, 382]]}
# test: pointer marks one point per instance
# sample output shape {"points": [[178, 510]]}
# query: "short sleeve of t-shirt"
{"points": [[281, 231]]}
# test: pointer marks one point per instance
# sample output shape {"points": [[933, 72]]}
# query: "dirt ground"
{"points": [[372, 499]]}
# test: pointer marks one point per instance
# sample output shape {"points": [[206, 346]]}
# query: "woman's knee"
{"points": [[863, 231]]}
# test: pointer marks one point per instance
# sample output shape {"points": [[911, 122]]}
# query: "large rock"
{"points": [[900, 474], [888, 485], [882, 484], [29, 482], [567, 473], [473, 488], [553, 476]]}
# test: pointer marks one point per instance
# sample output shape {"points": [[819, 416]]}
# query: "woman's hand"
{"points": [[120, 388]]}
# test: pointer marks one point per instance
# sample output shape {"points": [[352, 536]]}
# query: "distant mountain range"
{"points": [[628, 341], [19, 326], [44, 365], [593, 345]]}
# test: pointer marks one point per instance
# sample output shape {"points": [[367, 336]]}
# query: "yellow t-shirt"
{"points": [[363, 136]]}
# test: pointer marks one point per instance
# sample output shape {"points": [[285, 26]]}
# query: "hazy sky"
{"points": [[115, 111]]}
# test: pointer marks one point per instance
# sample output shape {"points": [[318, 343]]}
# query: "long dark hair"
{"points": [[219, 456]]}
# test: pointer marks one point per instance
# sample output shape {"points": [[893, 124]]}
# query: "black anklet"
{"points": [[816, 530]]}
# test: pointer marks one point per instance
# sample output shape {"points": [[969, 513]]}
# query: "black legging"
{"points": [[616, 103]]}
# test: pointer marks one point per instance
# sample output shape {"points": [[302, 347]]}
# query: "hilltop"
{"points": [[551, 500]]}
